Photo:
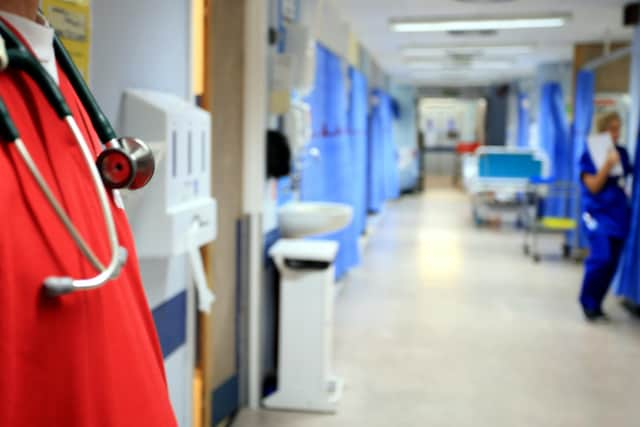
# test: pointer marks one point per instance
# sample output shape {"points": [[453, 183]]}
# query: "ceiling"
{"points": [[591, 21]]}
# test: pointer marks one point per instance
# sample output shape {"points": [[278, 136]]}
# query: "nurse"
{"points": [[606, 213], [89, 358]]}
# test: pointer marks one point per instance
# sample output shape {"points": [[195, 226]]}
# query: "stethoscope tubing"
{"points": [[113, 267], [59, 210], [56, 286]]}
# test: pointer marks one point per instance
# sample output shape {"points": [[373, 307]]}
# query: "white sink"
{"points": [[303, 219]]}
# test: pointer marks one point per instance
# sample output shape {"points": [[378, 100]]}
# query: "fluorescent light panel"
{"points": [[440, 51], [447, 67], [485, 24]]}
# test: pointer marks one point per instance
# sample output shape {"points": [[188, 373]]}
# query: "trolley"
{"points": [[564, 194]]}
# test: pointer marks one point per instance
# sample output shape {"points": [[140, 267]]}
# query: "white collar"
{"points": [[40, 39]]}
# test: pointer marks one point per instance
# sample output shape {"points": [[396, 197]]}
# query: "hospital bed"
{"points": [[499, 182]]}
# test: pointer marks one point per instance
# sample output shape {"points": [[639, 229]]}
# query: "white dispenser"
{"points": [[171, 219]]}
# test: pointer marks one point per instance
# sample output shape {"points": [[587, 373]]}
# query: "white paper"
{"points": [[205, 296], [599, 147]]}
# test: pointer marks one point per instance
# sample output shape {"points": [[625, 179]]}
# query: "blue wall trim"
{"points": [[271, 303], [224, 401], [270, 239], [171, 322]]}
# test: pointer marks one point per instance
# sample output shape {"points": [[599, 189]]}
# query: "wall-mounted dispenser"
{"points": [[171, 219], [301, 45], [298, 126]]}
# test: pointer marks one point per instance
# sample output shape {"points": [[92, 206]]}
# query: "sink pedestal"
{"points": [[305, 380]]}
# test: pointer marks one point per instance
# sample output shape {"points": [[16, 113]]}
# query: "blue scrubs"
{"points": [[607, 216]]}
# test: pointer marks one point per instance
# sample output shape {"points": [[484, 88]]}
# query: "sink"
{"points": [[303, 219]]}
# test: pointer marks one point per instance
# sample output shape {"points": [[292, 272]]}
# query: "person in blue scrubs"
{"points": [[607, 216]]}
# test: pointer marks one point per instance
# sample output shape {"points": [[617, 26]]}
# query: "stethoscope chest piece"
{"points": [[127, 163]]}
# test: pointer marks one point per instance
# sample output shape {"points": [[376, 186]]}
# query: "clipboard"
{"points": [[599, 146]]}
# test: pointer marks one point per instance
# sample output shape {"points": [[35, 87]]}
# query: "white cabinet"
{"points": [[305, 378]]}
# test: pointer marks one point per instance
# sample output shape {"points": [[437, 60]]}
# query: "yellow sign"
{"points": [[72, 22]]}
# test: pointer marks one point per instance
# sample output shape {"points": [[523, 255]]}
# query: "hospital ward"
{"points": [[319, 213]]}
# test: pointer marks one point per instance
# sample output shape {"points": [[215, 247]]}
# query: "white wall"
{"points": [[405, 128], [327, 24], [254, 128], [634, 92], [561, 72], [512, 116], [441, 110], [139, 44]]}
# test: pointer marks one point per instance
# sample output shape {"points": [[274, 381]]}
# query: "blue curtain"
{"points": [[329, 178], [383, 163], [523, 120], [358, 113], [392, 179], [555, 141], [585, 96], [629, 273], [375, 163]]}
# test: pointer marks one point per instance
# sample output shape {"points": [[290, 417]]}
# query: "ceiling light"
{"points": [[461, 67], [483, 24], [440, 51], [484, 1]]}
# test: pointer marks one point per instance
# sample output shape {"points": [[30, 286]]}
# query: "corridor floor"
{"points": [[448, 325]]}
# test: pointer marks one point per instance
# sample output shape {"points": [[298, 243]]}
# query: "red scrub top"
{"points": [[86, 359]]}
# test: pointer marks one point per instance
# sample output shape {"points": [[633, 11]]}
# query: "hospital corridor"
{"points": [[319, 213], [429, 332]]}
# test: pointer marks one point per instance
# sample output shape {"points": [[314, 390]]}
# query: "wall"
{"points": [[634, 92], [273, 188], [327, 25], [612, 77], [236, 84], [121, 56], [404, 128], [512, 116], [376, 77], [334, 32], [329, 29], [440, 110], [440, 158], [497, 111], [561, 72], [616, 78], [405, 135], [471, 92]]}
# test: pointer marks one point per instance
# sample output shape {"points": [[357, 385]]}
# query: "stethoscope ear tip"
{"points": [[58, 286], [4, 56]]}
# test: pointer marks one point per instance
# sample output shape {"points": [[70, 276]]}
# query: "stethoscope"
{"points": [[125, 163]]}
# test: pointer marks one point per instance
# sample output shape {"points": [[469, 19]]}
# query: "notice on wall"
{"points": [[72, 22]]}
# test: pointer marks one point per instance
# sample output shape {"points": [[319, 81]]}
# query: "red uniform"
{"points": [[86, 359]]}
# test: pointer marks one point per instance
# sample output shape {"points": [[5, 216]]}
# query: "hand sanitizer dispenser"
{"points": [[171, 219]]}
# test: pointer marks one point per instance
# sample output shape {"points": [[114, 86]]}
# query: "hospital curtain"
{"points": [[585, 95], [382, 173], [555, 141], [392, 184], [358, 113], [328, 176], [629, 274], [523, 120]]}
